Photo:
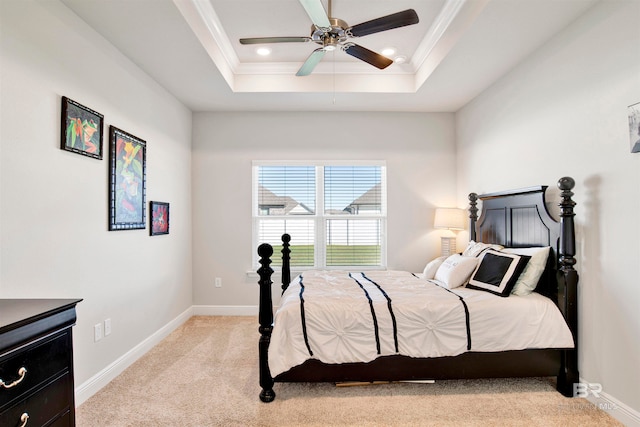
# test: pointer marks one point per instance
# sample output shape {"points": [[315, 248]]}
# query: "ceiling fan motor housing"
{"points": [[330, 38]]}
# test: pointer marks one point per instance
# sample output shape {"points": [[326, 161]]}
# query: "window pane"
{"points": [[286, 190], [302, 234], [352, 190], [343, 229], [353, 242]]}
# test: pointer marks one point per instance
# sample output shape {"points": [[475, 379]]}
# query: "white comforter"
{"points": [[357, 317]]}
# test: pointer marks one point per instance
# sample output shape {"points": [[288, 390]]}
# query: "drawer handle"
{"points": [[24, 418], [22, 372]]}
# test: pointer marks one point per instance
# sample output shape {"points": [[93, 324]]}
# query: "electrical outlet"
{"points": [[218, 282], [107, 327], [97, 332]]}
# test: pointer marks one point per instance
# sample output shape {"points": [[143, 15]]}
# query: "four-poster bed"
{"points": [[512, 219]]}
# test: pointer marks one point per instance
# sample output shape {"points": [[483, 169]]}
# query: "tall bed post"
{"points": [[286, 270], [473, 215], [568, 286], [265, 318]]}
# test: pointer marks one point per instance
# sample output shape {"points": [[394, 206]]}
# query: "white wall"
{"points": [[418, 150], [564, 112], [53, 216]]}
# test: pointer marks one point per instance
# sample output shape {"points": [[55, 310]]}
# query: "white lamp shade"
{"points": [[450, 218]]}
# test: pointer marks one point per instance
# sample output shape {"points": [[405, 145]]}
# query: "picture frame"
{"points": [[81, 129], [634, 127], [158, 218], [127, 180]]}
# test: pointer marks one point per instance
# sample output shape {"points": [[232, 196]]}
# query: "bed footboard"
{"points": [[265, 310]]}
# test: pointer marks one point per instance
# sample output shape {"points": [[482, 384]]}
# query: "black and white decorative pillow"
{"points": [[497, 272]]}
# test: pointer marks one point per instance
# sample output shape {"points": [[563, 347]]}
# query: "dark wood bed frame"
{"points": [[516, 218]]}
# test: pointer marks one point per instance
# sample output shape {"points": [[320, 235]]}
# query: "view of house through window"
{"points": [[335, 213]]}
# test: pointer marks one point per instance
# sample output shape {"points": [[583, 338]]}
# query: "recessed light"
{"points": [[263, 51], [400, 59], [388, 51]]}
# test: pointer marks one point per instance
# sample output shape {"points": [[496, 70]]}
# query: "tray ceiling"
{"points": [[458, 49]]}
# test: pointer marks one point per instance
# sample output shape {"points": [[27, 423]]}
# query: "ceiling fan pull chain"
{"points": [[334, 76]]}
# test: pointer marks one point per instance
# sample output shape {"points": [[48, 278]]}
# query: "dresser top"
{"points": [[18, 312]]}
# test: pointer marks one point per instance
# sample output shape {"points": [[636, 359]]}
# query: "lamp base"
{"points": [[448, 245]]}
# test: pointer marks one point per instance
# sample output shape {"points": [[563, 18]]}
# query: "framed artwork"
{"points": [[127, 180], [159, 218], [81, 129], [634, 127]]}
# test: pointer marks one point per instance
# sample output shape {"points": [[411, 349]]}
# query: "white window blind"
{"points": [[286, 194], [335, 214], [353, 191]]}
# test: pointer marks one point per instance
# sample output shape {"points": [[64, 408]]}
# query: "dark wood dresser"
{"points": [[36, 362]]}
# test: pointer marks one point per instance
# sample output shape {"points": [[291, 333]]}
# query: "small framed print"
{"points": [[159, 218], [81, 129], [634, 127], [127, 181]]}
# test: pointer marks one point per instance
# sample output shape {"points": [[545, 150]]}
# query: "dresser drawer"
{"points": [[44, 407], [44, 360]]}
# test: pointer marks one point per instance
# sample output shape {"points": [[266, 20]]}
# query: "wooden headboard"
{"points": [[519, 218]]}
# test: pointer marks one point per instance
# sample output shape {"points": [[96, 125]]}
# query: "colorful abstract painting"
{"points": [[81, 129], [634, 127], [127, 190], [159, 213]]}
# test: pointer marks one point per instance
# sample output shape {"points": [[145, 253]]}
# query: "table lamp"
{"points": [[449, 219]]}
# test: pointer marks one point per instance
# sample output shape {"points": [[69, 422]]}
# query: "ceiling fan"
{"points": [[333, 33]]}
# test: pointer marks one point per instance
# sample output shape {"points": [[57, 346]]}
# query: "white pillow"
{"points": [[529, 278], [456, 270], [430, 269], [477, 248]]}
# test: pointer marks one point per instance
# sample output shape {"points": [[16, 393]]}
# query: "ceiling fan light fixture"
{"points": [[330, 43], [263, 51]]}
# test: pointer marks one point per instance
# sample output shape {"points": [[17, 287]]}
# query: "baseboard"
{"points": [[90, 387], [225, 310], [618, 410]]}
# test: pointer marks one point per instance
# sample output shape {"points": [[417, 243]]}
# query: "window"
{"points": [[334, 212]]}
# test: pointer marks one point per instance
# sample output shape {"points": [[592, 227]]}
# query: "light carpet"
{"points": [[206, 374]]}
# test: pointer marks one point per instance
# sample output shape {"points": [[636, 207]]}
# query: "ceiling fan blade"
{"points": [[368, 56], [261, 40], [316, 12], [389, 22], [311, 62]]}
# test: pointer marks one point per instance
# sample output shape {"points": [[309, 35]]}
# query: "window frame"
{"points": [[320, 218]]}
